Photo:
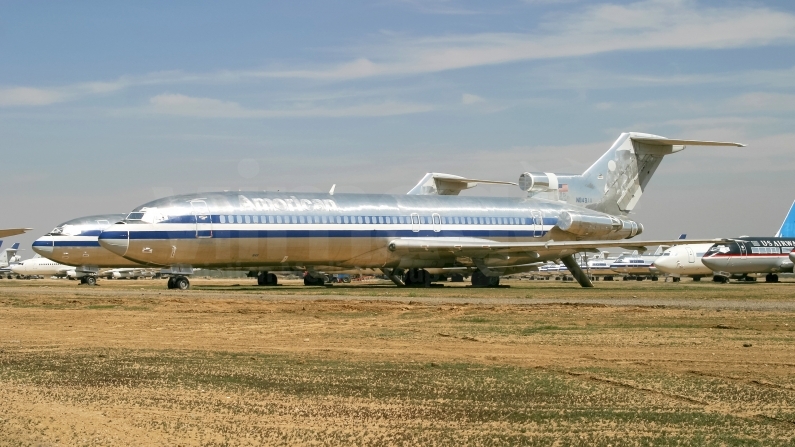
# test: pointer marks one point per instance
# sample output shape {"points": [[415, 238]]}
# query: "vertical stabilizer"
{"points": [[616, 181], [788, 226]]}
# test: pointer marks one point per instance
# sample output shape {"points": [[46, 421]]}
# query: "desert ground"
{"points": [[535, 363]]}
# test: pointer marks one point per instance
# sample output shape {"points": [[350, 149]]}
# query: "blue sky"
{"points": [[104, 106]]}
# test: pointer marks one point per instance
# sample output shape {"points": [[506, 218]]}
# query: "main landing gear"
{"points": [[267, 279], [88, 280], [178, 282], [417, 278], [771, 277], [481, 280], [310, 280]]}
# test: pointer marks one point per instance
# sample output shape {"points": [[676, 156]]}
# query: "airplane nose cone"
{"points": [[792, 256], [43, 247], [115, 241]]}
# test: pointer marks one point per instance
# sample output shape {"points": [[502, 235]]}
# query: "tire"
{"points": [[171, 282], [676, 279], [696, 278], [181, 283], [272, 279], [91, 281], [417, 278]]}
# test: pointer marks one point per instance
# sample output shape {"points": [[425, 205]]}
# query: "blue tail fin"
{"points": [[788, 226], [683, 236], [15, 246]]}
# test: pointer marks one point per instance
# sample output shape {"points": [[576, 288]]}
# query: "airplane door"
{"points": [[691, 257], [204, 222], [437, 222], [415, 222], [742, 249], [538, 223]]}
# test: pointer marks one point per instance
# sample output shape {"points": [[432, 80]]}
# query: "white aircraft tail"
{"points": [[616, 181]]}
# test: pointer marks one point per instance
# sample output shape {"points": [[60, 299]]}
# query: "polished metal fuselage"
{"points": [[267, 230], [75, 243]]}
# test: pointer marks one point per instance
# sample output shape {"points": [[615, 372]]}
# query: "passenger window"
{"points": [[222, 219]]}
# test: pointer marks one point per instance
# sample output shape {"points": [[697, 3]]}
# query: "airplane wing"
{"points": [[480, 247], [13, 231]]}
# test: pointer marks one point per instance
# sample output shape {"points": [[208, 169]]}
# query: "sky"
{"points": [[107, 105]]}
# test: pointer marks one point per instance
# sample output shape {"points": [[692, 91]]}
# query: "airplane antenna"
{"points": [[331, 191]]}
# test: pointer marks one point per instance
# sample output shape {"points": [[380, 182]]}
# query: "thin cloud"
{"points": [[182, 105], [647, 25]]}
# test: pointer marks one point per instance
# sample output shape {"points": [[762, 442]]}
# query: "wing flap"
{"points": [[477, 247]]}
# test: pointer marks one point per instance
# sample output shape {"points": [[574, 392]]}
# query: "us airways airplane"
{"points": [[74, 243], [562, 215], [744, 255]]}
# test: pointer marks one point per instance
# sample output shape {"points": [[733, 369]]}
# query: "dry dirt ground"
{"points": [[537, 363]]}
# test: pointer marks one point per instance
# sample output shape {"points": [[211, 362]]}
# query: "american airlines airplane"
{"points": [[74, 243], [267, 231]]}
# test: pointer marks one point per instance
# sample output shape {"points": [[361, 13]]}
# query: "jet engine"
{"points": [[598, 225], [538, 181]]}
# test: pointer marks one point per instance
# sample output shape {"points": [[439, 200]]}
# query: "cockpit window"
{"points": [[135, 216]]}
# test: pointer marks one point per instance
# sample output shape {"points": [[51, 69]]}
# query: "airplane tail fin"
{"points": [[616, 181], [788, 226]]}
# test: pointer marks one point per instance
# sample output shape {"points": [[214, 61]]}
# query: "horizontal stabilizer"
{"points": [[436, 183], [13, 231], [673, 142]]}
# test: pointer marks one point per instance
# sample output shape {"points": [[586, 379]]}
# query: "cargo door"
{"points": [[204, 222]]}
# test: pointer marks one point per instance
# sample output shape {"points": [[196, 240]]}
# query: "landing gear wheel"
{"points": [[457, 277], [90, 280], [417, 278], [181, 283], [171, 282], [266, 279], [770, 277], [675, 279], [720, 279], [481, 280], [312, 281], [654, 278], [696, 278]]}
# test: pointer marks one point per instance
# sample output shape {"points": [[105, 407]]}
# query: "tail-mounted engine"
{"points": [[534, 182], [588, 225]]}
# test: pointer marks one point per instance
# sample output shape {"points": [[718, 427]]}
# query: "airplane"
{"points": [[403, 235], [741, 256], [684, 260], [42, 267], [637, 266], [744, 255], [8, 257], [74, 243]]}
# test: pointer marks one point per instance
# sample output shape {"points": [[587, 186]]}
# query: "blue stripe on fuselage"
{"points": [[266, 234]]}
